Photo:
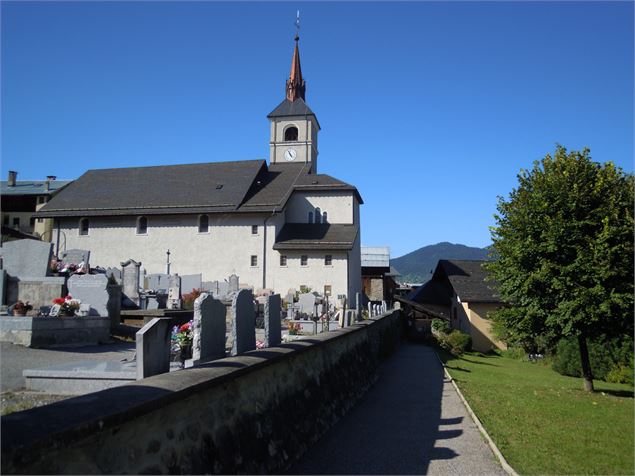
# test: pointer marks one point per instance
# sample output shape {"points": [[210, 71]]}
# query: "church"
{"points": [[279, 226]]}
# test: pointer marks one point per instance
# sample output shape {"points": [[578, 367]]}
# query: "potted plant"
{"points": [[182, 341], [68, 305], [21, 308]]}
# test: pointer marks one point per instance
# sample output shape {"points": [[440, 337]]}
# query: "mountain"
{"points": [[417, 266]]}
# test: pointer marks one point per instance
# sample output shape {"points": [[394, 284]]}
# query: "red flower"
{"points": [[68, 297], [184, 327], [58, 301]]}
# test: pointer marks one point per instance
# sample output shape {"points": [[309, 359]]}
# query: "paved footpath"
{"points": [[411, 422]]}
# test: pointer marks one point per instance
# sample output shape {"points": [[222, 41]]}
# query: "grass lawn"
{"points": [[543, 422]]}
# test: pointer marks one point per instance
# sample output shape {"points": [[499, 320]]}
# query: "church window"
{"points": [[318, 215], [291, 134], [310, 217], [328, 260], [142, 226], [304, 260], [254, 229], [83, 226], [254, 260], [203, 224], [324, 217], [283, 260]]}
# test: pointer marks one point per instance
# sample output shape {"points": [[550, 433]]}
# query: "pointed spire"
{"points": [[295, 84]]}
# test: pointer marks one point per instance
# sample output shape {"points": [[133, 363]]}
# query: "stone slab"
{"points": [[273, 327], [76, 257], [209, 329], [30, 258], [153, 347], [90, 289], [244, 322], [190, 282]]}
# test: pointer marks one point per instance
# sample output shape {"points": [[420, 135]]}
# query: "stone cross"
{"points": [[153, 347], [209, 328], [244, 324], [273, 328]]}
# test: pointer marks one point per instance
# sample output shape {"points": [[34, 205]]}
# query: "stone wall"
{"points": [[254, 413], [54, 331]]}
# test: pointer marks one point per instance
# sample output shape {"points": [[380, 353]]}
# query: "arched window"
{"points": [[291, 134], [318, 215], [324, 217], [83, 226], [203, 223], [310, 217], [142, 226]]}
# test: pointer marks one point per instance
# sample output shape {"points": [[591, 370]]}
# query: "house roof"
{"points": [[32, 187], [218, 187], [302, 236], [469, 280]]}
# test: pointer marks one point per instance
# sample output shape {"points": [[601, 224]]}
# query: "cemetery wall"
{"points": [[255, 413]]}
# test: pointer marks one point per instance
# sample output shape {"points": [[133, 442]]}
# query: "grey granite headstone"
{"points": [[307, 303], [209, 329], [233, 284], [76, 257], [244, 325], [130, 278], [90, 289], [26, 258], [3, 286], [190, 282], [273, 328], [153, 347], [358, 307]]}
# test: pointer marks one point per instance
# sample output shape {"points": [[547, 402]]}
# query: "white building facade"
{"points": [[278, 226]]}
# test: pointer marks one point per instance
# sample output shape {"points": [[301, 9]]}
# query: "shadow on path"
{"points": [[396, 428]]}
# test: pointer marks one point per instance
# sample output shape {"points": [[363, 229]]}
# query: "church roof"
{"points": [[302, 236], [218, 187], [291, 108]]}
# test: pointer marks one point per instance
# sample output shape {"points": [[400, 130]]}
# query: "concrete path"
{"points": [[411, 422]]}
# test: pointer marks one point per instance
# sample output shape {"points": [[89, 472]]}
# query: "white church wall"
{"points": [[338, 205]]}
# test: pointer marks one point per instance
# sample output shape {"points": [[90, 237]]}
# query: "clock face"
{"points": [[290, 154]]}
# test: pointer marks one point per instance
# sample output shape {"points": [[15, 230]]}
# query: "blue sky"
{"points": [[430, 109]]}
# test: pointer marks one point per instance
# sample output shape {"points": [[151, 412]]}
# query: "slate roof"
{"points": [[302, 236], [32, 187], [466, 277], [189, 188], [219, 187], [291, 108]]}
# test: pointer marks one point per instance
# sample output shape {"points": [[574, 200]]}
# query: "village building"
{"points": [[460, 293], [379, 279], [21, 199], [277, 226]]}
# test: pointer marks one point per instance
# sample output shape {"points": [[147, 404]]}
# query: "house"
{"points": [[21, 199], [378, 277], [278, 225], [460, 293]]}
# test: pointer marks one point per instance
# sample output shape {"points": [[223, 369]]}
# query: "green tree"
{"points": [[564, 247]]}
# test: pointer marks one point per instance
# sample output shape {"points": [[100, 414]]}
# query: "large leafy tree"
{"points": [[564, 247]]}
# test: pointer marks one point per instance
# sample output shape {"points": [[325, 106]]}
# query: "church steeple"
{"points": [[295, 84]]}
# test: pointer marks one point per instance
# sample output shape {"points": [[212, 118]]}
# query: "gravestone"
{"points": [[358, 306], [26, 258], [290, 296], [158, 281], [208, 330], [130, 279], [370, 309], [307, 303], [233, 284], [142, 277], [273, 328], [244, 324], [76, 257], [90, 289], [174, 292], [190, 282], [3, 275], [153, 347]]}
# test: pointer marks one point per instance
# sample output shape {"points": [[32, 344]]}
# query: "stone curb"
{"points": [[506, 466]]}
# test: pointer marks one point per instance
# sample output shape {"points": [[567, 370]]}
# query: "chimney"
{"points": [[49, 179], [12, 176]]}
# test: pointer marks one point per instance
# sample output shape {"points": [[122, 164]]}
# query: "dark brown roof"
{"points": [[302, 236]]}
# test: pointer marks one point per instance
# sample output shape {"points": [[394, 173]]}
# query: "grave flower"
{"points": [[260, 344], [67, 304], [182, 335]]}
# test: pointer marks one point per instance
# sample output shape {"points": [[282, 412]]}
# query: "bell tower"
{"points": [[294, 127]]}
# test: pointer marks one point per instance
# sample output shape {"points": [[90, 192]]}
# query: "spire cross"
{"points": [[297, 26]]}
